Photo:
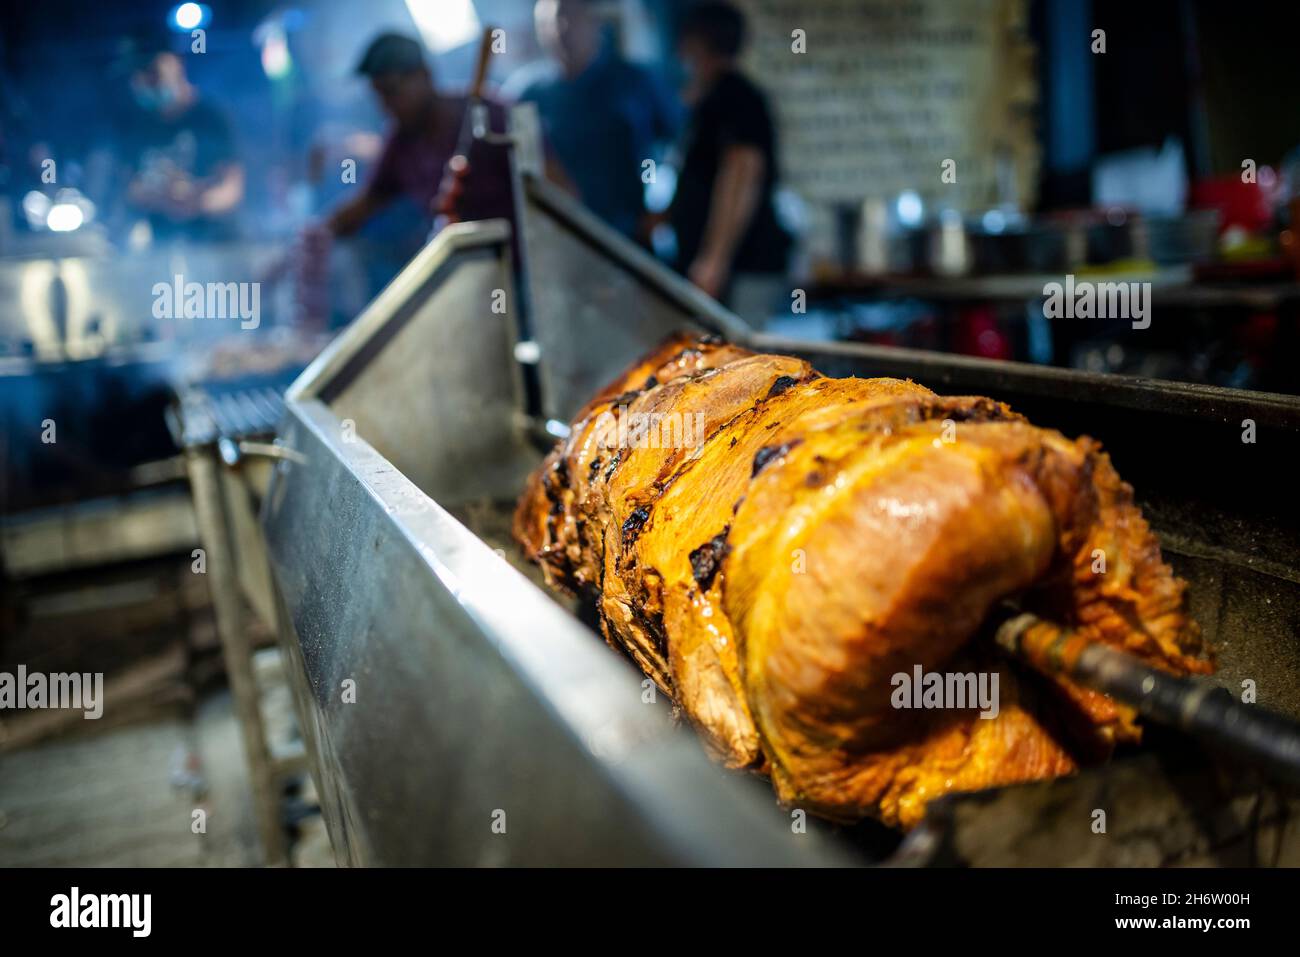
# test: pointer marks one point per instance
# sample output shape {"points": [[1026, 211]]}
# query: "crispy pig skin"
{"points": [[817, 537]]}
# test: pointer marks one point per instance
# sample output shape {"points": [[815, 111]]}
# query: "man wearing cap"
{"points": [[424, 137]]}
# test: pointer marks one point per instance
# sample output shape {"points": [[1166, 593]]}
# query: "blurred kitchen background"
{"points": [[940, 163]]}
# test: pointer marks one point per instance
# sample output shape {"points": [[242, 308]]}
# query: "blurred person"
{"points": [[729, 241], [185, 176], [425, 135], [602, 116]]}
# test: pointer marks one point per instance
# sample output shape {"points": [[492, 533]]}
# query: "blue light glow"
{"points": [[189, 16]]}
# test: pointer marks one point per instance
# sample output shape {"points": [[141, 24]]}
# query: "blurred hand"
{"points": [[309, 266], [163, 187], [181, 200], [648, 223], [144, 194], [314, 242], [710, 273]]}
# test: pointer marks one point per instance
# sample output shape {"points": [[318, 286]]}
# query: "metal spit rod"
{"points": [[1206, 711]]}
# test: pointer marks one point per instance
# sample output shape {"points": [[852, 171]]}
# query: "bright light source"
{"points": [[36, 207], [189, 16], [995, 221], [64, 217], [910, 208], [445, 24], [276, 60]]}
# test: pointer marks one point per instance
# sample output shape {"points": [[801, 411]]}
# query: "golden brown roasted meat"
{"points": [[775, 548]]}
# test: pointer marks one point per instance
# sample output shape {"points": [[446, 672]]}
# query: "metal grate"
{"points": [[207, 415]]}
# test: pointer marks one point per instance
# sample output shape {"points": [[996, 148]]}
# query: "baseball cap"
{"points": [[391, 53]]}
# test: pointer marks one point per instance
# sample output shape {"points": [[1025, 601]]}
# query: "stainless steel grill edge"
{"points": [[483, 704]]}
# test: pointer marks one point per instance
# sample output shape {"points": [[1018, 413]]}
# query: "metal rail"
{"points": [[1202, 709], [479, 694]]}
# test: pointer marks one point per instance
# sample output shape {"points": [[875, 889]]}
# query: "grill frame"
{"points": [[376, 580]]}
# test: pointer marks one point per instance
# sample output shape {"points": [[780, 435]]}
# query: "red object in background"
{"points": [[1247, 205], [1258, 339], [1259, 333], [980, 334]]}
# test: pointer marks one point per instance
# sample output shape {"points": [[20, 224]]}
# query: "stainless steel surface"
{"points": [[481, 700], [590, 287], [97, 532], [488, 726], [454, 430]]}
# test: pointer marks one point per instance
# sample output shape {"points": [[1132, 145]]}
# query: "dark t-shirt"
{"points": [[733, 113], [197, 143], [603, 124], [413, 164]]}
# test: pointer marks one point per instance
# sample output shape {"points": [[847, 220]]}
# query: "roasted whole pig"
{"points": [[776, 548]]}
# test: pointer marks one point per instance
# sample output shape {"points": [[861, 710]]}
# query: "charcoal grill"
{"points": [[457, 712]]}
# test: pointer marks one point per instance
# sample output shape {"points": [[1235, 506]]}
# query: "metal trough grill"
{"points": [[458, 713]]}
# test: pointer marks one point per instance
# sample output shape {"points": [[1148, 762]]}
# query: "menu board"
{"points": [[874, 97]]}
